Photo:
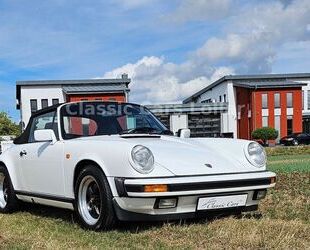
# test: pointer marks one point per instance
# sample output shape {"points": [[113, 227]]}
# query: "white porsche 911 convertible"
{"points": [[110, 161]]}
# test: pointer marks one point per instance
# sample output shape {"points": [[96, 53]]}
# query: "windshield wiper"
{"points": [[138, 130], [166, 132]]}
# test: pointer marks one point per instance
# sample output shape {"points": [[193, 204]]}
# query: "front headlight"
{"points": [[143, 159], [256, 154]]}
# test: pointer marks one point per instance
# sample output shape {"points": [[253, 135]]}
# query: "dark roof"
{"points": [[73, 82], [94, 88], [256, 84], [252, 81]]}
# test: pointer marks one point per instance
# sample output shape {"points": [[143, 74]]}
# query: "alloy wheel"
{"points": [[3, 191], [89, 200]]}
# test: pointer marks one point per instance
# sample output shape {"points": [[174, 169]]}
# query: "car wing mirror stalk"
{"points": [[45, 135], [184, 133]]}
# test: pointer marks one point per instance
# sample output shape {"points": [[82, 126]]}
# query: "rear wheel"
{"points": [[8, 200], [93, 200]]}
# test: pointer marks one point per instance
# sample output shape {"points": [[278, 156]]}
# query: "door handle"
{"points": [[22, 153]]}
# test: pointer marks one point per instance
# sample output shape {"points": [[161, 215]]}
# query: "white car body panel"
{"points": [[42, 167]]}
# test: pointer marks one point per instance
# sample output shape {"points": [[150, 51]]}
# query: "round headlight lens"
{"points": [[143, 159], [256, 154]]}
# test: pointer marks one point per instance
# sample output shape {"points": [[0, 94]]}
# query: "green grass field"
{"points": [[282, 222]]}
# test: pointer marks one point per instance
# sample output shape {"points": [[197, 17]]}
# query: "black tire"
{"points": [[295, 143], [105, 218], [8, 199]]}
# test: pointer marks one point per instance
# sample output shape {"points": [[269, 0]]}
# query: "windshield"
{"points": [[105, 118]]}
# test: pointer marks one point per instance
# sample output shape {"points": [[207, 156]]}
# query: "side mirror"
{"points": [[45, 135], [184, 133]]}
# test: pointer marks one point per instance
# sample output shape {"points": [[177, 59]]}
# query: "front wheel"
{"points": [[8, 200], [93, 200], [295, 143]]}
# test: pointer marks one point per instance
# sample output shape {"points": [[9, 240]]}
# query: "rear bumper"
{"points": [[132, 203]]}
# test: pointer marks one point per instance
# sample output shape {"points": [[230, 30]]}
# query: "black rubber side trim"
{"points": [[205, 185], [124, 215], [45, 196], [120, 186], [219, 184]]}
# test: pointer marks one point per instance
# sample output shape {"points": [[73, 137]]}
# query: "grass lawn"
{"points": [[289, 163], [282, 222]]}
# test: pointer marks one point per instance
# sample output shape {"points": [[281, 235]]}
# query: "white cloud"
{"points": [[250, 45], [257, 35], [157, 81], [131, 4], [199, 10]]}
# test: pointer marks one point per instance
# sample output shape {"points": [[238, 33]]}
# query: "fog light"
{"points": [[156, 188], [166, 203], [259, 194]]}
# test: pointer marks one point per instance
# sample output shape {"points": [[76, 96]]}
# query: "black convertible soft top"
{"points": [[23, 138]]}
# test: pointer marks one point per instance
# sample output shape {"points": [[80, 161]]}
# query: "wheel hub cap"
{"points": [[89, 200]]}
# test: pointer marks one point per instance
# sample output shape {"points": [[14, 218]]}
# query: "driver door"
{"points": [[42, 162]]}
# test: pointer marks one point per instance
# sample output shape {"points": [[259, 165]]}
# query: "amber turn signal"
{"points": [[273, 180], [156, 188]]}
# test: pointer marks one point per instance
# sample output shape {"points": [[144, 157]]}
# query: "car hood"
{"points": [[192, 156]]}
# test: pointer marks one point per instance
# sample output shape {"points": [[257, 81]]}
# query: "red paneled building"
{"points": [[276, 107], [280, 101]]}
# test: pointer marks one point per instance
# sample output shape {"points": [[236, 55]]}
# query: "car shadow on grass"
{"points": [[68, 216]]}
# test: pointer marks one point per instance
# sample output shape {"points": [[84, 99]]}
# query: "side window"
{"points": [[45, 121]]}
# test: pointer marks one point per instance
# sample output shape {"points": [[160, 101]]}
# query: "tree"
{"points": [[265, 134], [7, 126]]}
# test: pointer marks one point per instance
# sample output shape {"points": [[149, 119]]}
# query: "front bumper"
{"points": [[132, 203]]}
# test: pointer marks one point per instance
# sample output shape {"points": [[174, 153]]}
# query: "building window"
{"points": [[308, 99], [289, 100], [44, 103], [220, 98], [265, 121], [224, 97], [264, 101], [289, 125], [55, 101], [33, 105], [303, 99], [277, 100], [277, 125]]}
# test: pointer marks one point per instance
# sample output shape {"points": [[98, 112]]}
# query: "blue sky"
{"points": [[170, 49]]}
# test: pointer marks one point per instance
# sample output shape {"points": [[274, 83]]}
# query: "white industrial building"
{"points": [[35, 95]]}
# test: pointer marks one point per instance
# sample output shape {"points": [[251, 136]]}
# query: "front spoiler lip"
{"points": [[205, 184], [124, 215]]}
